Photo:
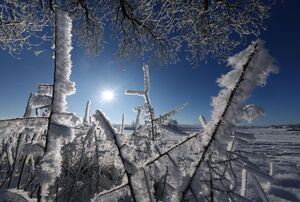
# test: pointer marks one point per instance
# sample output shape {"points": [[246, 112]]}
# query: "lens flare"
{"points": [[107, 95]]}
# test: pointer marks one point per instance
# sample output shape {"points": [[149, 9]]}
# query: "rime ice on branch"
{"points": [[154, 136], [62, 87], [42, 99], [87, 112], [149, 111], [250, 69], [151, 122]]}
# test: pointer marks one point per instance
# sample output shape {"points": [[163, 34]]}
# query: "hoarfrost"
{"points": [[15, 195], [50, 166], [252, 112]]}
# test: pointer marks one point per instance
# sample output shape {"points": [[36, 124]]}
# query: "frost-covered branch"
{"points": [[62, 87], [250, 69], [163, 119], [202, 121], [148, 108], [122, 125], [142, 27], [151, 122], [138, 110], [87, 112], [115, 147], [22, 25]]}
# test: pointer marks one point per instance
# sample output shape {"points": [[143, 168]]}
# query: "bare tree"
{"points": [[159, 28], [22, 24]]}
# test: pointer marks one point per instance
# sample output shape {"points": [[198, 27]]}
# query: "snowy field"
{"points": [[282, 147]]}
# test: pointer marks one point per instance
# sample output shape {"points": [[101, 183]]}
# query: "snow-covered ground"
{"points": [[279, 145], [282, 147]]}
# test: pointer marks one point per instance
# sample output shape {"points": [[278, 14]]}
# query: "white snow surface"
{"points": [[281, 146]]}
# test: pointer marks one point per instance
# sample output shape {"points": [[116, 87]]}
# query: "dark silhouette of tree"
{"points": [[159, 28]]}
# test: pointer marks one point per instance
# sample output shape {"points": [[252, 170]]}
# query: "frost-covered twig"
{"points": [[244, 183], [87, 112], [250, 69], [17, 157], [202, 121], [107, 128], [163, 119], [121, 131], [62, 87], [42, 99], [139, 110], [28, 107], [149, 111]]}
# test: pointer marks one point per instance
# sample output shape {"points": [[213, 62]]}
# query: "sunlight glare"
{"points": [[107, 95]]}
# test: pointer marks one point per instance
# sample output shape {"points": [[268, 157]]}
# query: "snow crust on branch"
{"points": [[45, 89], [148, 108], [111, 148], [39, 100], [252, 112], [87, 112], [250, 69], [63, 87], [202, 121], [15, 195], [254, 74], [167, 116], [67, 119], [138, 110], [244, 183], [50, 167], [17, 125], [122, 194]]}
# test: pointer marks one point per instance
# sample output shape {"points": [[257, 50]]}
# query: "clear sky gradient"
{"points": [[171, 85]]}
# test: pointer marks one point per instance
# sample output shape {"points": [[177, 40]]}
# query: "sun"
{"points": [[107, 95]]}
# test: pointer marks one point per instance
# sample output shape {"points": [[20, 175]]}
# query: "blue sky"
{"points": [[171, 85]]}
